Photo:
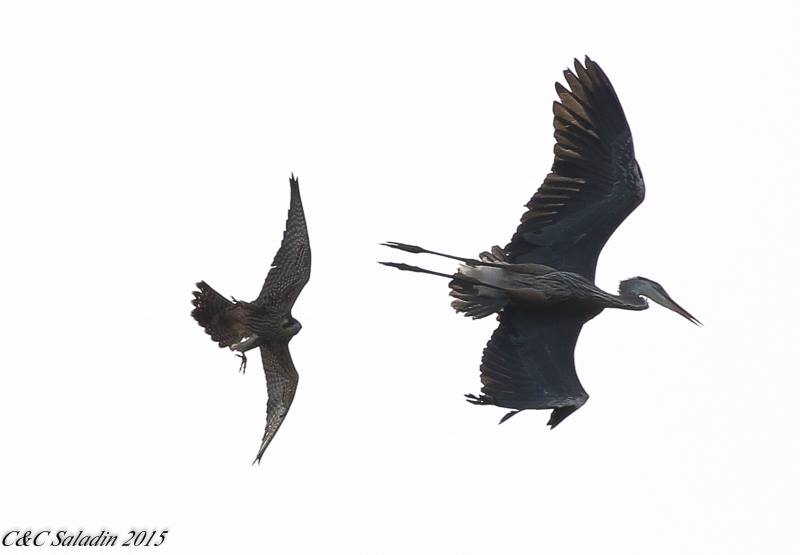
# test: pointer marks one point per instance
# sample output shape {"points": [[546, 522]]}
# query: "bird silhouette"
{"points": [[541, 285], [266, 322]]}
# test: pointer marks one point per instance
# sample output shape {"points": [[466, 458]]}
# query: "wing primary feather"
{"points": [[282, 380], [594, 169]]}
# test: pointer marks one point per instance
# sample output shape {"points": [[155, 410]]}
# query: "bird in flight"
{"points": [[267, 322], [541, 285]]}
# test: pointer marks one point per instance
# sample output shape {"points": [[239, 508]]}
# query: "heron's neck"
{"points": [[628, 300]]}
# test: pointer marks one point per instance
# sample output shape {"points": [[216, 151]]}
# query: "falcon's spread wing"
{"points": [[281, 386], [223, 320], [291, 266], [529, 364], [595, 181]]}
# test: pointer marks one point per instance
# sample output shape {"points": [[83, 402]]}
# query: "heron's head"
{"points": [[290, 327], [643, 287]]}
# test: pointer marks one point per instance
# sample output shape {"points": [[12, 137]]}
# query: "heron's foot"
{"points": [[404, 247], [243, 365], [476, 400], [472, 399]]}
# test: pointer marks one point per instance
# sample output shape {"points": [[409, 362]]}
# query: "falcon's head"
{"points": [[290, 327]]}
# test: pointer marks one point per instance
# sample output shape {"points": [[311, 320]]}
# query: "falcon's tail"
{"points": [[222, 319]]}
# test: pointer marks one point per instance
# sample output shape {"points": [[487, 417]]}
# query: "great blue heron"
{"points": [[542, 283], [266, 322]]}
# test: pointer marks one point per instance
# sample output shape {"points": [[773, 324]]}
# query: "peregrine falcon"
{"points": [[266, 322]]}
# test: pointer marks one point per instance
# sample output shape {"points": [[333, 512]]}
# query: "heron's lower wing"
{"points": [[281, 385], [529, 363], [223, 320]]}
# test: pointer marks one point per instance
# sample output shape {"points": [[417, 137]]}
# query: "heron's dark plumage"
{"points": [[267, 321], [541, 285], [529, 364], [593, 185]]}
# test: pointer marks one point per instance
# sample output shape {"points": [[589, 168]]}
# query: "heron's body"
{"points": [[266, 322], [541, 285], [552, 291]]}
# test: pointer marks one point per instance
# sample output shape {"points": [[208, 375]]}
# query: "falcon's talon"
{"points": [[243, 365]]}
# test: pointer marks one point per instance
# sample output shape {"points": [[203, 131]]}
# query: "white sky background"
{"points": [[145, 146]]}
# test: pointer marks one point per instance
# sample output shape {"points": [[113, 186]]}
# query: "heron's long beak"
{"points": [[667, 302]]}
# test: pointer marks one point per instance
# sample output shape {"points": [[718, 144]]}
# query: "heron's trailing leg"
{"points": [[419, 250], [492, 260], [461, 278], [408, 268], [246, 345]]}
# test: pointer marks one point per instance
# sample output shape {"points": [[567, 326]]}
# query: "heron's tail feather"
{"points": [[470, 302], [479, 291], [223, 320], [495, 255]]}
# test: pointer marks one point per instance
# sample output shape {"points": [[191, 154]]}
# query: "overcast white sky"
{"points": [[147, 145]]}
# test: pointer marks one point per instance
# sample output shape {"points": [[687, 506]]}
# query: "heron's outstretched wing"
{"points": [[529, 364], [595, 181], [291, 266], [281, 385]]}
